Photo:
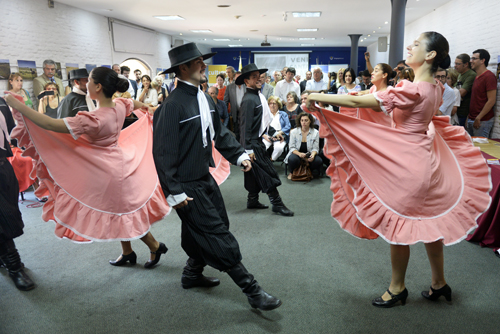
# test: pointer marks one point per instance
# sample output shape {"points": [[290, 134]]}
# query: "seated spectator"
{"points": [[281, 126], [483, 96], [304, 145], [221, 106], [292, 107], [448, 94], [220, 86], [325, 105], [146, 94], [451, 80], [316, 83], [48, 104], [349, 84], [332, 83], [15, 86], [160, 89], [407, 74], [49, 72], [340, 79]]}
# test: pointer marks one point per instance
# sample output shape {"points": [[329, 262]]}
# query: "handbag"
{"points": [[302, 173]]}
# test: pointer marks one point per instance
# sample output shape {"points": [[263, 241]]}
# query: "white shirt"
{"points": [[283, 87], [448, 100], [150, 98], [316, 85], [240, 91]]}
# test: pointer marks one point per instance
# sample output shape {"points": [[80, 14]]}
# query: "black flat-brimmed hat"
{"points": [[245, 73], [78, 74], [183, 54]]}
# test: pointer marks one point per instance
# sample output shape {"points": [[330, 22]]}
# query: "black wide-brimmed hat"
{"points": [[78, 74], [183, 54], [245, 73]]}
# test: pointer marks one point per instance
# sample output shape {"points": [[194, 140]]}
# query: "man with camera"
{"points": [[49, 71], [77, 100]]}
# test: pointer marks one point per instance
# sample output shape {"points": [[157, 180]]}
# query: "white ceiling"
{"points": [[339, 18]]}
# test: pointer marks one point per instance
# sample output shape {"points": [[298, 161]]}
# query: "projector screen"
{"points": [[144, 40], [276, 62]]}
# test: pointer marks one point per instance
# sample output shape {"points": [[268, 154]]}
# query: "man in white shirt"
{"points": [[287, 85], [448, 95], [316, 83]]}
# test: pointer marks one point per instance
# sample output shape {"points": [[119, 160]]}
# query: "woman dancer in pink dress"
{"points": [[420, 180], [102, 180]]}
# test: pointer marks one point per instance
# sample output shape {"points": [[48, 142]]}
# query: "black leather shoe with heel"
{"points": [[162, 249], [379, 302], [132, 258], [444, 291]]}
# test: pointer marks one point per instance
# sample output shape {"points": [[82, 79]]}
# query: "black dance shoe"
{"points": [[132, 258], [162, 249], [444, 291], [379, 302]]}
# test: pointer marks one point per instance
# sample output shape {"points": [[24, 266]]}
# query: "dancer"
{"points": [[255, 120], [421, 180], [115, 194], [11, 223], [184, 125]]}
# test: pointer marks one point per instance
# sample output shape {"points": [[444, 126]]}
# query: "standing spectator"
{"points": [[407, 74], [204, 85], [464, 84], [146, 94], [349, 86], [230, 72], [132, 87], [448, 94], [369, 66], [316, 83], [483, 97], [138, 78], [283, 72], [266, 90], [365, 80], [340, 78], [49, 71], [162, 88], [16, 86], [451, 80], [232, 98], [48, 104], [220, 86], [297, 79], [303, 83], [399, 67], [287, 85], [77, 100], [277, 78], [116, 68], [173, 85], [159, 90], [221, 106]]}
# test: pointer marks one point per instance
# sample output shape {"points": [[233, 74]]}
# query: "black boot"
{"points": [[257, 297], [12, 261], [192, 276], [253, 202], [278, 206]]}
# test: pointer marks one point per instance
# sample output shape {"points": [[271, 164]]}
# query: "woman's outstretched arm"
{"points": [[350, 101]]}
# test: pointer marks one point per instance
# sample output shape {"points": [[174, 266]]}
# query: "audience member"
{"points": [[266, 89], [49, 71], [15, 85], [116, 68], [464, 85], [304, 145], [68, 88], [340, 78], [281, 124], [138, 78], [399, 67], [451, 80], [297, 79], [48, 104], [303, 96], [220, 86], [172, 85], [162, 92], [268, 79], [448, 94], [232, 99], [407, 74], [369, 66], [287, 85], [365, 80], [317, 83], [349, 86], [303, 83], [230, 73], [77, 100], [146, 94], [483, 96], [221, 106], [332, 83], [292, 107], [132, 88], [204, 85], [277, 78]]}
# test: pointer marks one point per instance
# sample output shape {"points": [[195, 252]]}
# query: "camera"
{"points": [[308, 155], [47, 92]]}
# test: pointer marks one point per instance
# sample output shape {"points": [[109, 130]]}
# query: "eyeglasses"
{"points": [[440, 76], [474, 58]]}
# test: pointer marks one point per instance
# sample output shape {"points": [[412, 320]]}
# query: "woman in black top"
{"points": [[48, 104], [292, 107]]}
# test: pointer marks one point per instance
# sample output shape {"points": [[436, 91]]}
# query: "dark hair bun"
{"points": [[446, 62], [122, 85]]}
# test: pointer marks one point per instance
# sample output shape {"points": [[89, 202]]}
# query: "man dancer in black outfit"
{"points": [[184, 127], [255, 118]]}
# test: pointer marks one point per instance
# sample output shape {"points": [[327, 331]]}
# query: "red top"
{"points": [[483, 83]]}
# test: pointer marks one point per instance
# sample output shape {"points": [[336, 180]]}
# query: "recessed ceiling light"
{"points": [[221, 39], [306, 44], [307, 38], [307, 29], [201, 30], [380, 27], [369, 35], [386, 22], [234, 45], [253, 30], [180, 33], [306, 14], [223, 6], [169, 17], [373, 31]]}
